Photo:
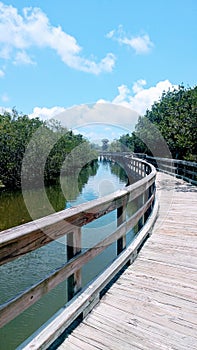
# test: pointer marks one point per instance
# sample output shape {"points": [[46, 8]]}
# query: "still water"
{"points": [[95, 181]]}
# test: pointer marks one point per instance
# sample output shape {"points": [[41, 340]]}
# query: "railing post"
{"points": [[150, 192], [184, 170], [193, 172], [143, 201], [178, 169], [73, 248], [121, 217]]}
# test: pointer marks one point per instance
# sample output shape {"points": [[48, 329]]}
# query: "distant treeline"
{"points": [[32, 151], [173, 119]]}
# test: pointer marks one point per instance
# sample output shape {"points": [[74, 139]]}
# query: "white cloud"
{"points": [[2, 73], [21, 32], [143, 98], [122, 111], [123, 93], [98, 113], [46, 113], [23, 58], [110, 34], [138, 85], [106, 119], [141, 44]]}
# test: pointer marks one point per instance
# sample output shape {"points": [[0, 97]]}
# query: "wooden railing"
{"points": [[23, 239], [133, 167], [179, 168]]}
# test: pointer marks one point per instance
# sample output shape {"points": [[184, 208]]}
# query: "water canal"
{"points": [[95, 181]]}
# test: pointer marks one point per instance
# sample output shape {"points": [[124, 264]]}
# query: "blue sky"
{"points": [[55, 56]]}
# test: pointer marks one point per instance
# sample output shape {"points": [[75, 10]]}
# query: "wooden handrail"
{"points": [[17, 241], [84, 302], [20, 240], [184, 169], [23, 301]]}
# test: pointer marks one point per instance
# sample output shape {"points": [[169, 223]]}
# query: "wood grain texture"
{"points": [[21, 302], [84, 301], [153, 305], [22, 239]]}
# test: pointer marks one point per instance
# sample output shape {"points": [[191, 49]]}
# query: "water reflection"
{"points": [[105, 178], [95, 180], [13, 210]]}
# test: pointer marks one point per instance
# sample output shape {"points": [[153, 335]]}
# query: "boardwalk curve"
{"points": [[153, 305], [79, 300]]}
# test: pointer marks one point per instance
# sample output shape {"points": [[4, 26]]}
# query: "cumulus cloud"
{"points": [[140, 98], [122, 111], [98, 113], [21, 32], [138, 85], [141, 44], [123, 93], [46, 113]]}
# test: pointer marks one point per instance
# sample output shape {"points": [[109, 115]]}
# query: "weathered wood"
{"points": [[137, 281], [121, 217], [74, 248], [25, 238], [84, 298], [153, 305], [17, 305], [181, 168]]}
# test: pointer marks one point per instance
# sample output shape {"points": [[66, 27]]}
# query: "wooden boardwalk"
{"points": [[153, 305]]}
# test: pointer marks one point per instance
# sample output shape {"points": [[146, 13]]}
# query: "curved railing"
{"points": [[23, 239], [183, 169]]}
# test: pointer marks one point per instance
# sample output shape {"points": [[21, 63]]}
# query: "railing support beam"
{"points": [[121, 217], [74, 248]]}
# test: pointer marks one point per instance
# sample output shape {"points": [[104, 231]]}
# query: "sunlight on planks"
{"points": [[153, 305]]}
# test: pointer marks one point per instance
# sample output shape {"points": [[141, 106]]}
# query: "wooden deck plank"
{"points": [[169, 301], [155, 312], [163, 269], [124, 332], [77, 344], [153, 305], [176, 258], [143, 332]]}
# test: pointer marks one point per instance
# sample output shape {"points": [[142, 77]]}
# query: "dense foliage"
{"points": [[37, 150], [174, 120]]}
